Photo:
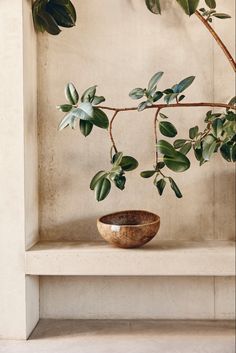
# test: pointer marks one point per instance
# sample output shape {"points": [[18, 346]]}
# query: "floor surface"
{"points": [[91, 336]]}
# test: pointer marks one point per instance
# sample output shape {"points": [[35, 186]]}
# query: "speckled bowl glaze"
{"points": [[129, 229]]}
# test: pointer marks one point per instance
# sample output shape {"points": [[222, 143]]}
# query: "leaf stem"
{"points": [[110, 130], [217, 39]]}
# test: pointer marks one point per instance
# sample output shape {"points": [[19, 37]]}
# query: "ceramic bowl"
{"points": [[128, 229]]}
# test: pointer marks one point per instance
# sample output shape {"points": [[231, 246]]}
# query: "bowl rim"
{"points": [[99, 220]]}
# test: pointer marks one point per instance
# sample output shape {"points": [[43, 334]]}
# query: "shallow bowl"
{"points": [[129, 229]]}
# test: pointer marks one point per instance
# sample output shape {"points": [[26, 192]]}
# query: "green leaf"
{"points": [[142, 106], [137, 93], [232, 102], [117, 158], [157, 95], [198, 153], [168, 91], [100, 175], [175, 188], [163, 116], [102, 189], [179, 143], [154, 6], [147, 173], [153, 81], [222, 16], [170, 97], [61, 14], [177, 162], [100, 119], [71, 94], [98, 99], [128, 163], [65, 107], [48, 22], [193, 132], [208, 145], [167, 129], [189, 6], [186, 148], [161, 185], [84, 111], [85, 127], [165, 148], [211, 3], [160, 165], [231, 116], [226, 152], [68, 120], [120, 181], [181, 97], [217, 127], [233, 152], [184, 84], [89, 94]]}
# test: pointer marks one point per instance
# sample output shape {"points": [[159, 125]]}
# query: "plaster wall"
{"points": [[118, 45]]}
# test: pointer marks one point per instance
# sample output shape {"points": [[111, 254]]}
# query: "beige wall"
{"points": [[119, 45]]}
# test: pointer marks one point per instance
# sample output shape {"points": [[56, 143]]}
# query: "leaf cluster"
{"points": [[153, 94], [101, 182], [50, 15], [83, 109], [211, 12]]}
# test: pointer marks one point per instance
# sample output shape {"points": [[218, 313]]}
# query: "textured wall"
{"points": [[119, 45]]}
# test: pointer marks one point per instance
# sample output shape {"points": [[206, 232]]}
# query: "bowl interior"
{"points": [[129, 218]]}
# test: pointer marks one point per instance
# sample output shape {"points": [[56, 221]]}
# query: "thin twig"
{"points": [[218, 40], [110, 131]]}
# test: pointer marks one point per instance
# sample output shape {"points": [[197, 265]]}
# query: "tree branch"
{"points": [[218, 40]]}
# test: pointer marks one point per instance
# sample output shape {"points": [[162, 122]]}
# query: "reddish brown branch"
{"points": [[218, 40], [159, 107]]}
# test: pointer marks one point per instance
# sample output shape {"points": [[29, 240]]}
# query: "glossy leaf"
{"points": [[100, 175], [89, 94], [147, 173], [71, 94], [65, 108], [167, 129], [100, 119], [84, 111], [85, 127], [120, 181], [211, 3], [61, 14], [209, 145], [170, 97], [233, 153], [232, 102], [128, 163], [154, 6], [193, 132], [189, 6], [97, 100], [154, 80], [186, 148], [184, 84], [137, 93], [102, 188], [165, 148], [157, 95], [117, 158], [161, 185], [163, 116], [217, 127], [177, 162], [68, 120], [179, 143], [222, 16], [174, 187], [225, 151], [142, 106]]}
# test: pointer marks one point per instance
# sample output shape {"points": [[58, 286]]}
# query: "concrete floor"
{"points": [[96, 336]]}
